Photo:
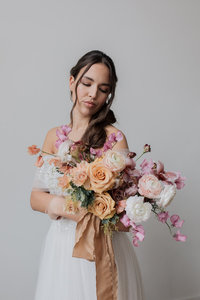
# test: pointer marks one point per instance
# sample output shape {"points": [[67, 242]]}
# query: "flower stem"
{"points": [[165, 222], [48, 153], [140, 155]]}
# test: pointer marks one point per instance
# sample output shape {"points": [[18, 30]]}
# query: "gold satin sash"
{"points": [[92, 244]]}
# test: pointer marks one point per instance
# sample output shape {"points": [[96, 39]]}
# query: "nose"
{"points": [[93, 91]]}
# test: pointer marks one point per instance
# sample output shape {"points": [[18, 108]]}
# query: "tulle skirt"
{"points": [[63, 277]]}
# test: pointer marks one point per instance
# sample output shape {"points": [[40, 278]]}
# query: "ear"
{"points": [[71, 82]]}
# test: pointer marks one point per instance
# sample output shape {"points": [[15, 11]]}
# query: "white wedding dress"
{"points": [[63, 277]]}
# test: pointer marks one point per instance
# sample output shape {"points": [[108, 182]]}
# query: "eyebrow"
{"points": [[106, 84]]}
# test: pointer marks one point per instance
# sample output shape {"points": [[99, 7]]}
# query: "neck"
{"points": [[80, 124]]}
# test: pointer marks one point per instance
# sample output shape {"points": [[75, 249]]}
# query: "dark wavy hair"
{"points": [[95, 134]]}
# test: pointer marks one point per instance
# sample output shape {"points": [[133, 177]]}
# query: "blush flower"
{"points": [[149, 186], [114, 160], [79, 174], [63, 181], [137, 210]]}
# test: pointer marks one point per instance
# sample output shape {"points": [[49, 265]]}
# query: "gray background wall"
{"points": [[155, 45]]}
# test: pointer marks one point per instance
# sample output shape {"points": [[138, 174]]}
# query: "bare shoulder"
{"points": [[123, 144], [50, 139]]}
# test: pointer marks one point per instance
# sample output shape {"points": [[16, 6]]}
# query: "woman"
{"points": [[92, 85]]}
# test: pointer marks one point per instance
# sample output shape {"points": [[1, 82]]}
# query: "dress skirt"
{"points": [[63, 277]]}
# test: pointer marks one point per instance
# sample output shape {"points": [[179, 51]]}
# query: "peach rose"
{"points": [[149, 186], [71, 206], [114, 160], [101, 178], [103, 206], [63, 181], [79, 174]]}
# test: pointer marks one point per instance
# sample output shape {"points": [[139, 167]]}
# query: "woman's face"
{"points": [[93, 89]]}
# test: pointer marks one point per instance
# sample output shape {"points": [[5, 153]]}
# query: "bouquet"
{"points": [[110, 185]]}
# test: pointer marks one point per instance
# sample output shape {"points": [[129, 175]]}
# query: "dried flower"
{"points": [[147, 148]]}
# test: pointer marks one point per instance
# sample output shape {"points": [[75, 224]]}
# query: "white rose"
{"points": [[63, 151], [166, 196], [137, 210]]}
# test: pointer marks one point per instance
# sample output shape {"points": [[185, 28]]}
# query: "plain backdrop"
{"points": [[155, 46]]}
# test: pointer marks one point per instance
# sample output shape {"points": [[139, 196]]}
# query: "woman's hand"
{"points": [[56, 206]]}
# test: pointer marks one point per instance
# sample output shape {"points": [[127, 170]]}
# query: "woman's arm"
{"points": [[49, 203]]}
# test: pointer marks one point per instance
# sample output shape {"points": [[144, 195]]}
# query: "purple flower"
{"points": [[179, 237], [66, 129], [107, 146], [146, 167], [112, 138], [180, 181], [131, 191], [119, 136], [163, 216], [97, 152], [176, 221], [61, 135], [125, 220], [160, 167]]}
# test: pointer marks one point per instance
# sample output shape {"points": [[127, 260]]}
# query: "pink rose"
{"points": [[149, 186]]}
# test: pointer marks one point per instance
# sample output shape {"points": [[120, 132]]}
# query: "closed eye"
{"points": [[103, 91]]}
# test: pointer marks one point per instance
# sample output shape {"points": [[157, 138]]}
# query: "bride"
{"points": [[61, 276]]}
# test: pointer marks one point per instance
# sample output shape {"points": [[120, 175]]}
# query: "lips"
{"points": [[89, 103]]}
